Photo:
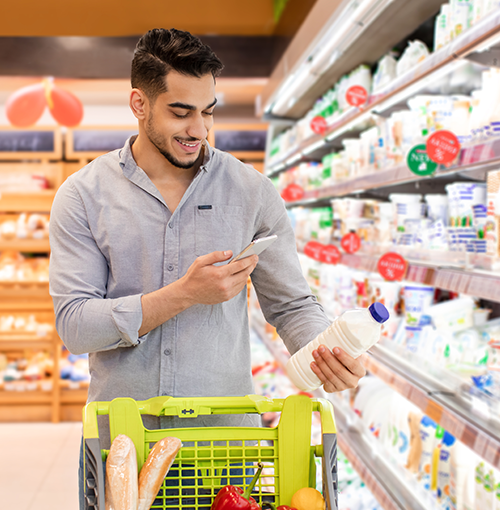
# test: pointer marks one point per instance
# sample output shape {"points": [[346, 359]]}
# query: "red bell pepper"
{"points": [[272, 507], [233, 498]]}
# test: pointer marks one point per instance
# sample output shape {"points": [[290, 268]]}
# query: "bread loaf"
{"points": [[121, 475], [154, 470]]}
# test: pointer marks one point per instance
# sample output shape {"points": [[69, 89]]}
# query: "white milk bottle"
{"points": [[355, 331]]}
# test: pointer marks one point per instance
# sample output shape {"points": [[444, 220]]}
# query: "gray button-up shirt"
{"points": [[114, 239]]}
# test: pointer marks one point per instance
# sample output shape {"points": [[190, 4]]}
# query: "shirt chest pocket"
{"points": [[218, 229]]}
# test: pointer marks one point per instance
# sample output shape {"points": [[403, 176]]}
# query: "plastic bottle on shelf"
{"points": [[436, 454], [479, 485], [355, 331], [462, 484], [441, 27], [444, 469], [428, 429]]}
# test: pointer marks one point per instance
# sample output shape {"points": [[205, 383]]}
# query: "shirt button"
{"points": [[170, 267], [167, 352], [171, 225]]}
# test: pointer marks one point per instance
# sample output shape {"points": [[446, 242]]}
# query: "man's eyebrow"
{"points": [[191, 107]]}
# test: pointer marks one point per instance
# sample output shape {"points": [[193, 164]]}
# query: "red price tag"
{"points": [[392, 266], [351, 243], [319, 125], [330, 254], [292, 193], [356, 95], [313, 250], [442, 147]]}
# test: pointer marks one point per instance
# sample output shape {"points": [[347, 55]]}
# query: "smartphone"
{"points": [[255, 247]]}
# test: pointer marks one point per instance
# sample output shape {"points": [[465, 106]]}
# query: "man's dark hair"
{"points": [[160, 51]]}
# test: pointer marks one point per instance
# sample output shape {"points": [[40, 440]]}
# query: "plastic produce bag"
{"points": [[415, 52], [385, 73]]}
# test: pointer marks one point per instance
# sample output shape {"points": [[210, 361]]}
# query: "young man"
{"points": [[140, 240]]}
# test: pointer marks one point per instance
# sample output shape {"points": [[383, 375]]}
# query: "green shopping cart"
{"points": [[212, 457]]}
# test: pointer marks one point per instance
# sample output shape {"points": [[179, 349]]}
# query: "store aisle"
{"points": [[38, 466]]}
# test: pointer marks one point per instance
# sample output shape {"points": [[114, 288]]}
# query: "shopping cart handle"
{"points": [[198, 406]]}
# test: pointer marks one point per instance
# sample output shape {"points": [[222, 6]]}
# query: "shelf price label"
{"points": [[319, 125], [313, 250], [292, 193], [356, 95], [330, 254], [392, 266], [418, 161], [351, 243], [443, 147]]}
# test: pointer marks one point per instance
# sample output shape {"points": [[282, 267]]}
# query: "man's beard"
{"points": [[156, 140]]}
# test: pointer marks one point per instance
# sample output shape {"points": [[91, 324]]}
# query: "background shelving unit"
{"points": [[436, 393]]}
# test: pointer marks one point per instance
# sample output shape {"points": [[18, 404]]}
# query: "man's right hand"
{"points": [[207, 284]]}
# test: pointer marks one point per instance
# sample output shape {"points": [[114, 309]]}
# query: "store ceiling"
{"points": [[80, 40], [104, 18]]}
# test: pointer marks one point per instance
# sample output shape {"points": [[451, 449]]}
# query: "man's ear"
{"points": [[139, 104]]}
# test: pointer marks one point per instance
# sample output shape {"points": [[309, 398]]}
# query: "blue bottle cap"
{"points": [[379, 312]]}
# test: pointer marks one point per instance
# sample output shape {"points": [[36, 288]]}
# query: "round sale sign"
{"points": [[330, 254], [443, 147], [313, 250], [319, 125], [356, 95], [351, 243], [292, 192], [392, 266], [418, 161]]}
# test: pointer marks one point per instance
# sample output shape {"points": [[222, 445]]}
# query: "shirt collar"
{"points": [[129, 164]]}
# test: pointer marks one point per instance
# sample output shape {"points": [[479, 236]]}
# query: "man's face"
{"points": [[181, 117]]}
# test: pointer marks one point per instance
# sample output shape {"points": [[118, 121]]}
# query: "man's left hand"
{"points": [[336, 369]]}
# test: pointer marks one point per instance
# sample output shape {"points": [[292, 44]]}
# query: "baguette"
{"points": [[159, 461], [121, 475]]}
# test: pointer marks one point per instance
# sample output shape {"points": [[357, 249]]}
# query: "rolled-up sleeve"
{"points": [[86, 320], [283, 293]]}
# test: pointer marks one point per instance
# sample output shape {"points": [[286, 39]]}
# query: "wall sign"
{"points": [[87, 140], [27, 141], [351, 243], [392, 266], [443, 147], [241, 141], [418, 161]]}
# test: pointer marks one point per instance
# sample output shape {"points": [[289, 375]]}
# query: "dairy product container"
{"points": [[355, 331], [428, 429], [453, 315], [462, 463], [437, 207], [444, 467]]}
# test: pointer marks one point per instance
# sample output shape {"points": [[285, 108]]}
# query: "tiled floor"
{"points": [[39, 466]]}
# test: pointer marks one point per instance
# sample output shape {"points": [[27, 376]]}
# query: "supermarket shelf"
{"points": [[25, 245], [416, 78], [24, 342], [76, 396], [436, 397], [363, 451], [25, 397], [369, 459], [40, 201], [484, 284], [401, 174]]}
